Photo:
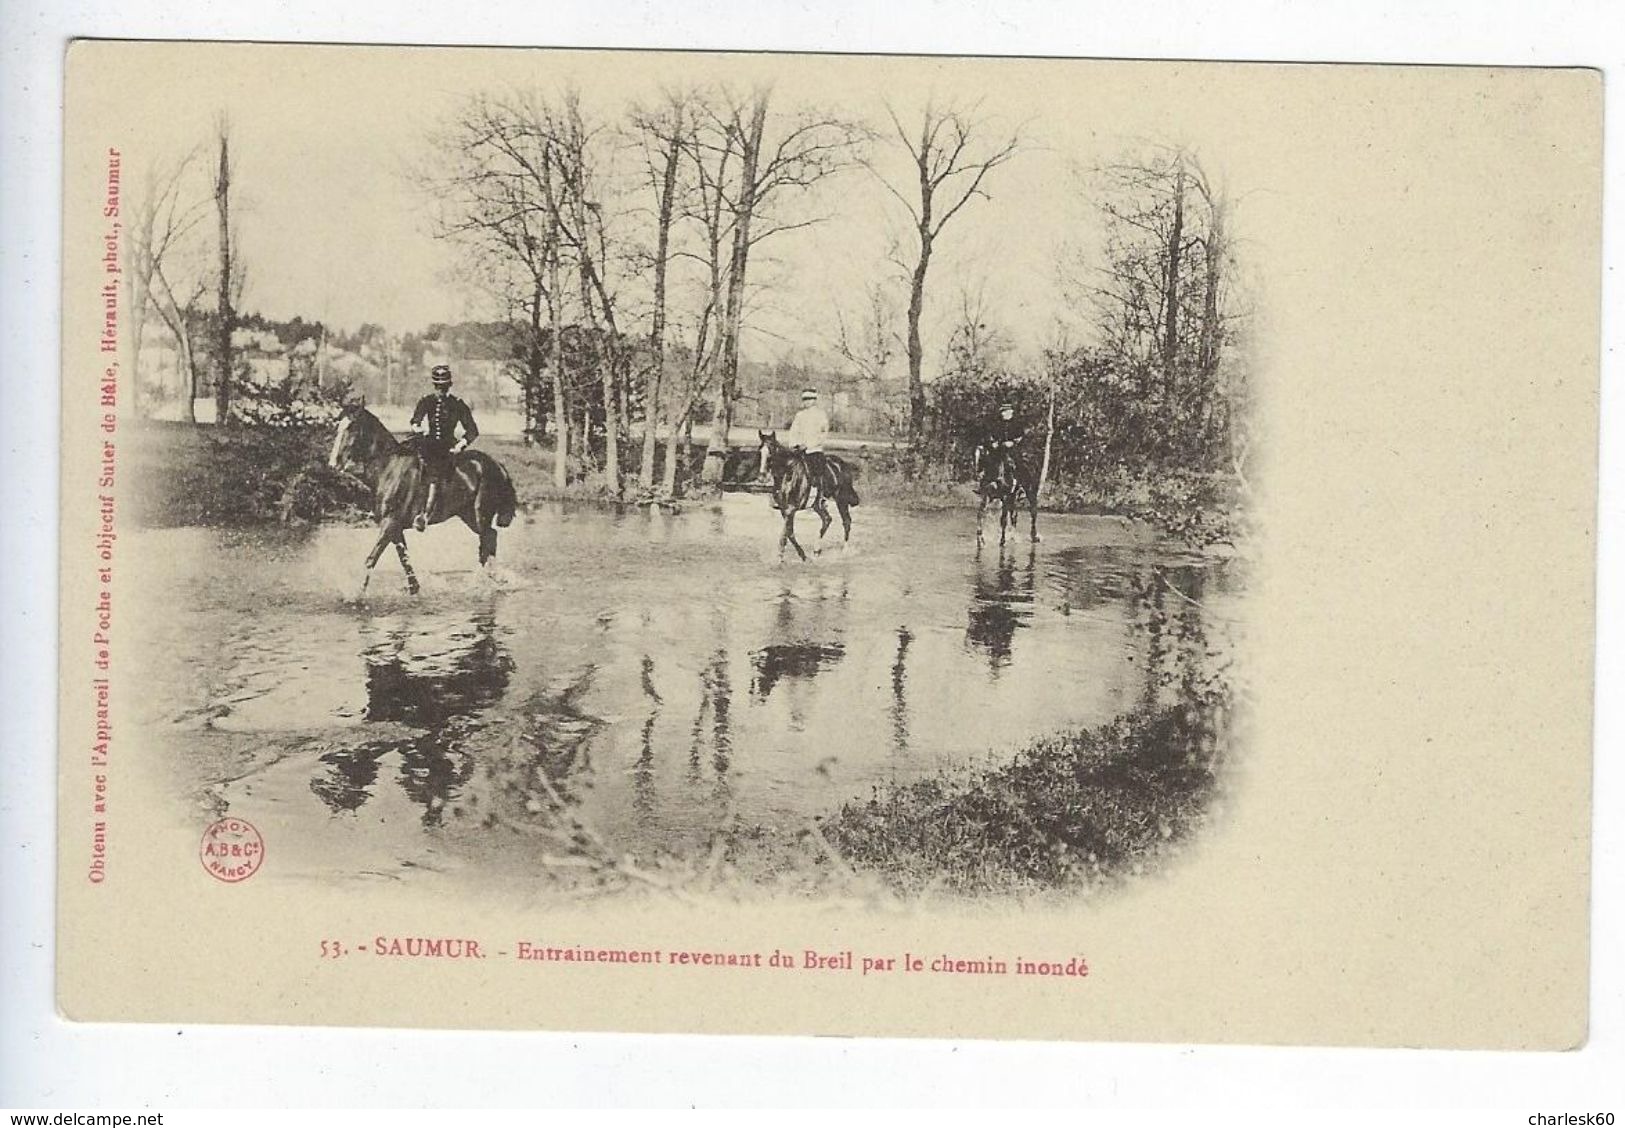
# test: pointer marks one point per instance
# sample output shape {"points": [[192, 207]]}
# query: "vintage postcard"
{"points": [[828, 544]]}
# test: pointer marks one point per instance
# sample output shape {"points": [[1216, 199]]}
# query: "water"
{"points": [[659, 677]]}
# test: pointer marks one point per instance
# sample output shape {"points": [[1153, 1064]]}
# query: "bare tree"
{"points": [[225, 318], [161, 221], [774, 165], [978, 345], [949, 169], [1161, 291], [168, 268], [585, 231], [662, 132], [705, 207], [497, 190], [1163, 270], [868, 341]]}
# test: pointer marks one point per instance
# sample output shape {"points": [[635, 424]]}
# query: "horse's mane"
{"points": [[372, 431]]}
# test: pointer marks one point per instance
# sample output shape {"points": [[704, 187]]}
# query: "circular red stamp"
{"points": [[232, 850]]}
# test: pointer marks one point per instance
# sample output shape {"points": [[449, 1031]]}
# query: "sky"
{"points": [[333, 225]]}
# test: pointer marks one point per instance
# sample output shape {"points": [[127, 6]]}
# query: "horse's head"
{"points": [[769, 454], [348, 440], [995, 466]]}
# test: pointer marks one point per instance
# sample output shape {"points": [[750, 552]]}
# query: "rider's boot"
{"points": [[422, 520]]}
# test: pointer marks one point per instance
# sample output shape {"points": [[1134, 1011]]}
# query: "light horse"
{"points": [[478, 489], [794, 490], [1007, 479]]}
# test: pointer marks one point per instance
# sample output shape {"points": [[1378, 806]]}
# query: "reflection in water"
{"points": [[433, 768], [790, 660], [351, 773], [999, 604], [716, 704], [1083, 578], [808, 629], [419, 679], [643, 772], [439, 681], [1165, 604], [899, 692], [660, 701], [558, 727]]}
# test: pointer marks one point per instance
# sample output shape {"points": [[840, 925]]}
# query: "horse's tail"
{"points": [[845, 492], [506, 498]]}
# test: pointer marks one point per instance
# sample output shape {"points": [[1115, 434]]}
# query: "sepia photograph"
{"points": [[827, 544], [683, 483]]}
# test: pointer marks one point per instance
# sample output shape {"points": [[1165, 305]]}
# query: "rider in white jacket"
{"points": [[808, 431], [810, 427]]}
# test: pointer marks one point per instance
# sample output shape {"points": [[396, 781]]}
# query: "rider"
{"points": [[807, 433], [1004, 434], [436, 419]]}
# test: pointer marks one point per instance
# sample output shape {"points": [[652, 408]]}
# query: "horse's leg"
{"points": [[474, 526], [1004, 518], [1032, 508], [387, 533], [790, 535], [406, 565], [822, 509], [485, 515], [846, 519], [981, 513]]}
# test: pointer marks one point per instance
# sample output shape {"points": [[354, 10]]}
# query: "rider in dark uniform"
{"points": [[437, 418], [1004, 436]]}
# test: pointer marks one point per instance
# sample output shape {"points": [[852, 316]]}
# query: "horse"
{"points": [[1007, 479], [478, 489], [794, 490]]}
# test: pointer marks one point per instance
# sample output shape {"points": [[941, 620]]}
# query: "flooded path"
{"points": [[662, 677]]}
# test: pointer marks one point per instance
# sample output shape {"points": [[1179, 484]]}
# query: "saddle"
{"points": [[999, 463], [828, 483]]}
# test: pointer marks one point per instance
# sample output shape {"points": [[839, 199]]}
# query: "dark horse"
{"points": [[1005, 477], [478, 489], [794, 489]]}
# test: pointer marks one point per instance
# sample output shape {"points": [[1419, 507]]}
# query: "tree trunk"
{"points": [[651, 400], [184, 353], [1208, 359], [607, 360], [916, 350], [223, 369], [657, 331], [916, 293], [535, 366], [674, 451], [1170, 325], [1049, 438], [561, 408], [728, 387]]}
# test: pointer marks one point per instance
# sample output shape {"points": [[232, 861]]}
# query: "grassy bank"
{"points": [[1071, 811], [1202, 509], [1077, 812], [189, 475]]}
